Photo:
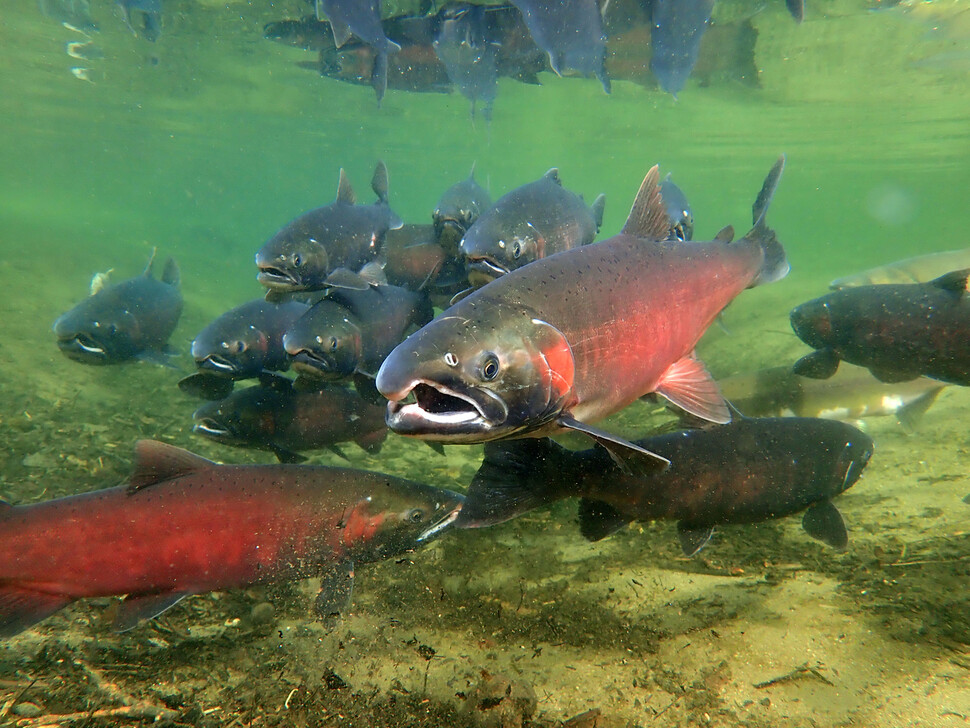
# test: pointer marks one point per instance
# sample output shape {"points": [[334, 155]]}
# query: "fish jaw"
{"points": [[492, 374], [83, 349], [481, 270]]}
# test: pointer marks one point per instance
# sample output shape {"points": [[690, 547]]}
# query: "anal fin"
{"points": [[134, 609]]}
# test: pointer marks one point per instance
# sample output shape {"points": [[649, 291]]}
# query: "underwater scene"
{"points": [[551, 363]]}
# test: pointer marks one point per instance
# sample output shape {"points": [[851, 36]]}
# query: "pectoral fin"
{"points": [[690, 386], [693, 539], [22, 608], [206, 386], [824, 522], [336, 591], [631, 458], [820, 364]]}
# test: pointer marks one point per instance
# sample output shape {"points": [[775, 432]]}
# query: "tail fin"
{"points": [[775, 265], [516, 477]]}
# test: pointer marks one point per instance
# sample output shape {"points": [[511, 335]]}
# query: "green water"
{"points": [[206, 142]]}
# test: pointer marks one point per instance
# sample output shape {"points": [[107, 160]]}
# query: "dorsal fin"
{"points": [[151, 264], [378, 182], [648, 216], [156, 462], [553, 175], [725, 234], [954, 281], [171, 274], [345, 193]]}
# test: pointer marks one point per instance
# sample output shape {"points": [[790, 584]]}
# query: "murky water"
{"points": [[204, 143]]}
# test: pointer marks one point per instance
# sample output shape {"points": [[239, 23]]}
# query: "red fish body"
{"points": [[186, 525], [577, 336]]}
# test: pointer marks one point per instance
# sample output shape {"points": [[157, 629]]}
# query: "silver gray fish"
{"points": [[919, 269], [571, 32], [363, 19]]}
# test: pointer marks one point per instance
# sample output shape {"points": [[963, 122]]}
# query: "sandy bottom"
{"points": [[525, 623]]}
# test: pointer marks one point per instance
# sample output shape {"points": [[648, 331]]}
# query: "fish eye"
{"points": [[490, 367], [415, 515], [516, 249]]}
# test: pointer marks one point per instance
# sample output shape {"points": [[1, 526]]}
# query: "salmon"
{"points": [[185, 525], [574, 337]]}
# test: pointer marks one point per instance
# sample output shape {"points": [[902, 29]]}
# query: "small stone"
{"points": [[27, 710]]}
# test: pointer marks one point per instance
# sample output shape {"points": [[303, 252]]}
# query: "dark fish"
{"points": [[678, 26], [726, 55], [361, 18], [748, 471], [416, 67], [74, 14], [530, 222], [241, 344], [920, 269], [151, 17], [571, 32], [897, 331], [352, 331], [185, 525], [307, 33], [579, 335], [413, 257], [131, 319], [457, 210], [470, 57], [286, 421], [342, 234], [851, 394], [678, 210]]}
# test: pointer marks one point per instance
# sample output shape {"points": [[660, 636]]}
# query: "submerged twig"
{"points": [[800, 672]]}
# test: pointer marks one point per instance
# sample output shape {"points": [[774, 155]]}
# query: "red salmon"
{"points": [[186, 525], [574, 337]]}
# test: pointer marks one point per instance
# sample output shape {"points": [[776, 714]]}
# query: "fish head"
{"points": [[491, 252], [397, 518], [231, 348], [326, 342], [481, 371], [237, 420], [813, 322], [92, 334], [457, 210], [678, 210], [292, 261]]}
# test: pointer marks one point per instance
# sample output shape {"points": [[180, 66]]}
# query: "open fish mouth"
{"points": [[278, 278], [444, 523], [210, 428], [435, 412], [484, 268], [81, 345], [305, 361], [218, 365]]}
